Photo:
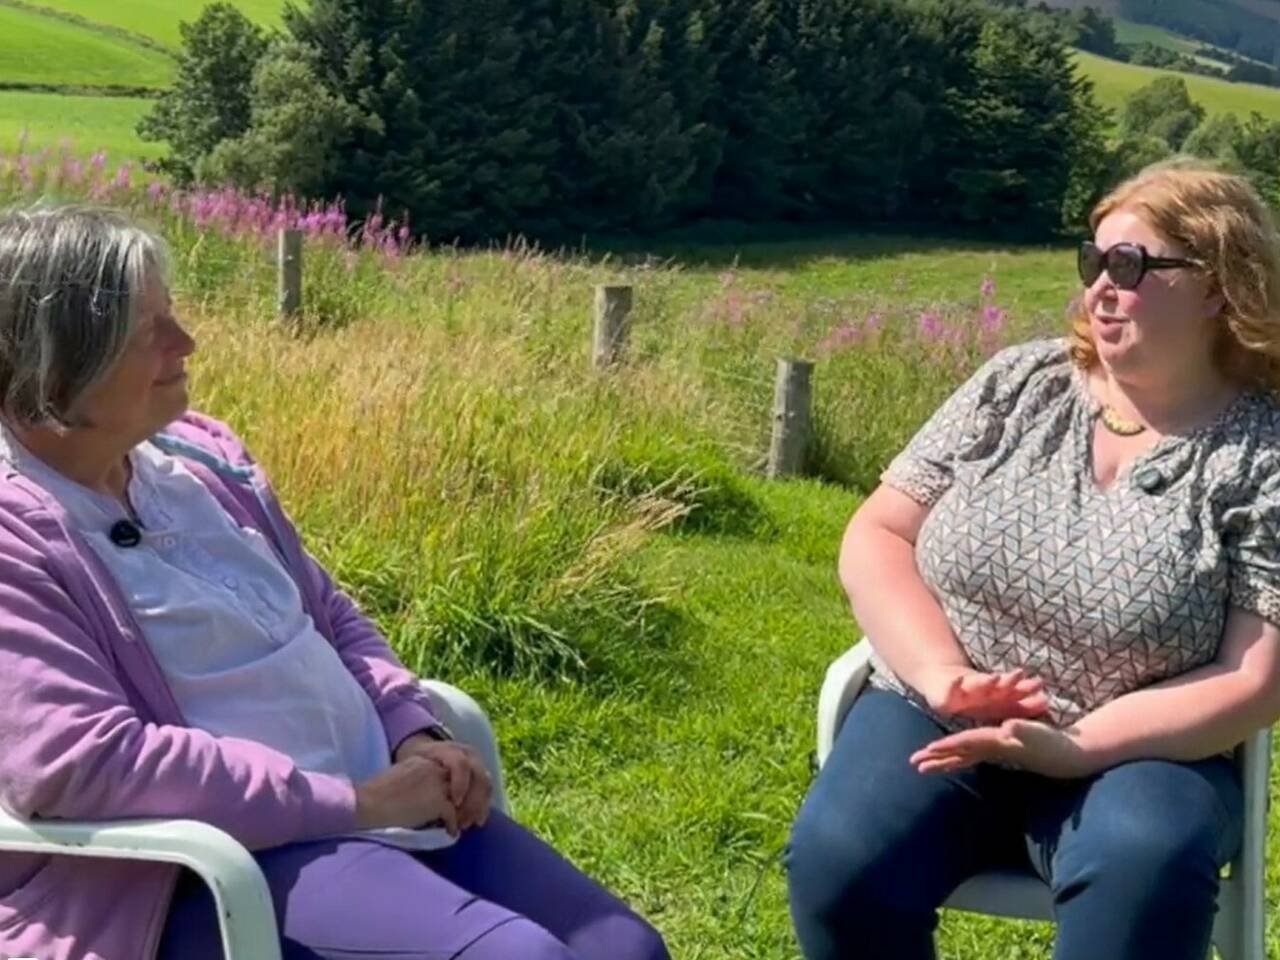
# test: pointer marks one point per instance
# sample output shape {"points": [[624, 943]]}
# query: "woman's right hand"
{"points": [[959, 691], [411, 793]]}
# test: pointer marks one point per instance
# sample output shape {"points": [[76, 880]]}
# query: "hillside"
{"points": [[37, 49], [1115, 81], [159, 19], [1128, 32], [1265, 8]]}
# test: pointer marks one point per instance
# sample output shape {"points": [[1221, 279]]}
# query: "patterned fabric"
{"points": [[1099, 592]]}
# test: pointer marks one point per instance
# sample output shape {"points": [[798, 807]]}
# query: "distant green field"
{"points": [[1129, 32], [1115, 81], [159, 19], [90, 123], [40, 49]]}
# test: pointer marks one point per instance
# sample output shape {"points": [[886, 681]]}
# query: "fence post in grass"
{"points": [[792, 396], [612, 326], [289, 263]]}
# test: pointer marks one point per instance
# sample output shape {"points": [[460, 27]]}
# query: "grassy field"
{"points": [[1129, 32], [44, 50], [159, 19], [1115, 81], [596, 557], [88, 123]]}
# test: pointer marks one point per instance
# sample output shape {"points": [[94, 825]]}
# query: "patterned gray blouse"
{"points": [[1099, 592]]}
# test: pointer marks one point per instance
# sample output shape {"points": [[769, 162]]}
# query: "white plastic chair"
{"points": [[1238, 929], [245, 912]]}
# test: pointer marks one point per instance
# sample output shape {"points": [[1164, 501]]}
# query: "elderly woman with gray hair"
{"points": [[168, 648]]}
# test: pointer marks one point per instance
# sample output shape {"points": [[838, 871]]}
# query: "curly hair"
{"points": [[1227, 229]]}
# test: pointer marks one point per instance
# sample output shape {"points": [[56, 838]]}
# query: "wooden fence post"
{"points": [[289, 263], [612, 325], [792, 396]]}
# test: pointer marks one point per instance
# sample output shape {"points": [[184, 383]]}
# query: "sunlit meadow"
{"points": [[595, 556]]}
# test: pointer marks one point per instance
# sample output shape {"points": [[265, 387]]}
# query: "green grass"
{"points": [[909, 270], [159, 19], [89, 123], [42, 50], [1115, 81]]}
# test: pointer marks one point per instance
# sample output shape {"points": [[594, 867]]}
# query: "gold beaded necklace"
{"points": [[1118, 424]]}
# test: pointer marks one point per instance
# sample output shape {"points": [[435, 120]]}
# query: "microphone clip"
{"points": [[125, 533]]}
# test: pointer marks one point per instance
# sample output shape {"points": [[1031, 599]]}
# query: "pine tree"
{"points": [[1013, 166], [757, 107]]}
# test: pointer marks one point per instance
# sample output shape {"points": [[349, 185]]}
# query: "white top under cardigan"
{"points": [[226, 621]]}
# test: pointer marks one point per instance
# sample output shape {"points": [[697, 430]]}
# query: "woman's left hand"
{"points": [[1026, 744], [470, 788]]}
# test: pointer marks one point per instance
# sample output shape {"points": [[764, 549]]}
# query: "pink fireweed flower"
{"points": [[988, 287], [840, 338], [932, 327], [335, 221], [991, 327]]}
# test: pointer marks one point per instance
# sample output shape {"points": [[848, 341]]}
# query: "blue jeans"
{"points": [[1131, 856]]}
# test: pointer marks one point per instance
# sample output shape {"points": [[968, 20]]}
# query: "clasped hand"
{"points": [[429, 781], [1012, 700]]}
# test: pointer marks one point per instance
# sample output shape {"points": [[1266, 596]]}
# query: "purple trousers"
{"points": [[499, 893]]}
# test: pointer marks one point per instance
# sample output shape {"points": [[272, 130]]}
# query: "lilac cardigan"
{"points": [[89, 729]]}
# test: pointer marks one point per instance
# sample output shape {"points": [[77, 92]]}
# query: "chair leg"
{"points": [[1229, 928]]}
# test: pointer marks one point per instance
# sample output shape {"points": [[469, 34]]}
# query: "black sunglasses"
{"points": [[1126, 263]]}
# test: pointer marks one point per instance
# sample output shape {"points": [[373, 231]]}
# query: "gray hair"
{"points": [[72, 280]]}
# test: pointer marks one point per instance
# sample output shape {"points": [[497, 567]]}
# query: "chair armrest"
{"points": [[245, 912], [470, 725], [844, 681]]}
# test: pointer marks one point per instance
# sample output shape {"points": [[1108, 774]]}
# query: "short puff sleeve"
{"points": [[1252, 542]]}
